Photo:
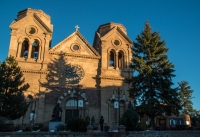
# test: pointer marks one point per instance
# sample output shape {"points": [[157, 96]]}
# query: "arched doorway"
{"points": [[74, 104], [71, 109]]}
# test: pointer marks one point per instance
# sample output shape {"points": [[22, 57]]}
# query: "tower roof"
{"points": [[108, 26]]}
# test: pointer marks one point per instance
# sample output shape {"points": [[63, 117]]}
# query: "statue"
{"points": [[57, 113]]}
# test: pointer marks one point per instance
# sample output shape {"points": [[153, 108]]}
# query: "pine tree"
{"points": [[12, 101], [151, 87], [185, 96]]}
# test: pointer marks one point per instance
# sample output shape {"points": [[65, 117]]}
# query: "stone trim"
{"points": [[124, 35], [62, 96], [31, 71], [81, 37], [75, 55], [112, 78], [86, 42], [42, 23]]}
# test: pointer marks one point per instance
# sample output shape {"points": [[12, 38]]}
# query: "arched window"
{"points": [[121, 59], [71, 103], [25, 47], [35, 49], [112, 59]]}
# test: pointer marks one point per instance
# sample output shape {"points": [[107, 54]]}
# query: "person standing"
{"points": [[101, 122], [32, 117], [92, 121]]}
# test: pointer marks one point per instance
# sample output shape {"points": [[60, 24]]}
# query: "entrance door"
{"points": [[70, 113]]}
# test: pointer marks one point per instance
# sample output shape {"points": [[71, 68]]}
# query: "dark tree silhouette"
{"points": [[151, 87], [12, 101]]}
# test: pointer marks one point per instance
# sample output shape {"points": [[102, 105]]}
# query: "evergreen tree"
{"points": [[12, 101], [130, 120], [185, 96], [151, 87]]}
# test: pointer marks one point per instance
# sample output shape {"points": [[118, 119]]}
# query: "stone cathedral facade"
{"points": [[84, 79]]}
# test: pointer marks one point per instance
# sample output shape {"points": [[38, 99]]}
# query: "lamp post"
{"points": [[118, 99]]}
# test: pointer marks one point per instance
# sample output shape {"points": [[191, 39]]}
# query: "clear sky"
{"points": [[178, 22]]}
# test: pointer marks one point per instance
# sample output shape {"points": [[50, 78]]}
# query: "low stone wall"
{"points": [[170, 133], [43, 134], [183, 133], [121, 133]]}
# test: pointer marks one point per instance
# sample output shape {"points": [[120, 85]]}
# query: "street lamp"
{"points": [[117, 99]]}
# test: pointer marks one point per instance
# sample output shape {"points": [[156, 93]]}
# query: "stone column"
{"points": [[29, 49], [125, 63], [40, 107], [116, 61], [39, 51], [108, 60], [13, 43], [19, 49], [121, 130], [89, 130]]}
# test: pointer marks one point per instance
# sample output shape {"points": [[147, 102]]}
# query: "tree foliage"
{"points": [[185, 96], [130, 120], [195, 118], [151, 87], [12, 101]]}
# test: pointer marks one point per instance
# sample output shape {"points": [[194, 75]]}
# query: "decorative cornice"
{"points": [[87, 43], [75, 55], [42, 23], [62, 42], [112, 78], [34, 71], [77, 33], [124, 35]]}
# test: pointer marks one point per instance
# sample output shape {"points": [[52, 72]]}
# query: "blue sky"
{"points": [[176, 20]]}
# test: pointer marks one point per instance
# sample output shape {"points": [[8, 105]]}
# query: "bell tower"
{"points": [[30, 41], [114, 46], [31, 35]]}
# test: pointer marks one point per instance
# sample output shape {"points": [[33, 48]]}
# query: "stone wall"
{"points": [[185, 133]]}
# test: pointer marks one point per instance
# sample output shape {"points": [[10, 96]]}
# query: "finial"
{"points": [[77, 27]]}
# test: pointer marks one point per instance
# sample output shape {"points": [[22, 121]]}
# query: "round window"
{"points": [[32, 30], [75, 47], [116, 42]]}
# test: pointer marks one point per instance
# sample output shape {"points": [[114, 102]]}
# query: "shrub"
{"points": [[77, 124], [60, 127], [27, 128], [17, 127], [95, 127], [37, 126], [130, 120], [45, 127], [41, 126], [143, 126], [6, 125]]}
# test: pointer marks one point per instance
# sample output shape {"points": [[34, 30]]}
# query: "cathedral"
{"points": [[85, 80]]}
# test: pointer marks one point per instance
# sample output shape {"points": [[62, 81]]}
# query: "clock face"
{"points": [[74, 74]]}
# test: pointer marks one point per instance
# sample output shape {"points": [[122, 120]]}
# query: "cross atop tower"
{"points": [[77, 27]]}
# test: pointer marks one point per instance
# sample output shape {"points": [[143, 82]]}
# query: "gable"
{"points": [[116, 32], [75, 44], [33, 20]]}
